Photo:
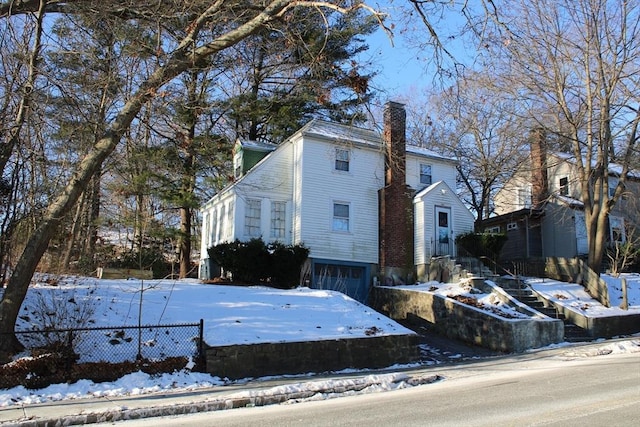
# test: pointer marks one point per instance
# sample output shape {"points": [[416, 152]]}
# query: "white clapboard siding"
{"points": [[319, 186], [425, 202]]}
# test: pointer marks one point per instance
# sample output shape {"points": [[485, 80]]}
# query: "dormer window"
{"points": [[237, 165], [564, 186], [342, 160]]}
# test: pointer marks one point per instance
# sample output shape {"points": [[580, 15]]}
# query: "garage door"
{"points": [[350, 280]]}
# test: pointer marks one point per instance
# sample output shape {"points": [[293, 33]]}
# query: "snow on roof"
{"points": [[341, 132], [352, 134], [569, 201], [426, 152], [257, 145]]}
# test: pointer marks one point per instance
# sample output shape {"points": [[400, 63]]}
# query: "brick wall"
{"points": [[539, 178], [396, 207]]}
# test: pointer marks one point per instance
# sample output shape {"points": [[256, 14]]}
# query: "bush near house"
{"points": [[274, 264], [482, 245]]}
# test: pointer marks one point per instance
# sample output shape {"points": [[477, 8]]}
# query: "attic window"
{"points": [[342, 160], [425, 174], [564, 186]]}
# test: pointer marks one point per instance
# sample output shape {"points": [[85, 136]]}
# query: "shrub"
{"points": [[481, 245], [275, 264]]}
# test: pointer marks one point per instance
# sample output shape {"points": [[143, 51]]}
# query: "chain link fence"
{"points": [[60, 354]]}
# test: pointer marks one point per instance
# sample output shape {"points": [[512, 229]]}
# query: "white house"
{"points": [[366, 205]]}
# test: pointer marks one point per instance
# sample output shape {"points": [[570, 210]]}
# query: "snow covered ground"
{"points": [[575, 297], [232, 315]]}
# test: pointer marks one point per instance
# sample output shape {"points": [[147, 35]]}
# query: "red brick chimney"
{"points": [[396, 207], [539, 178]]}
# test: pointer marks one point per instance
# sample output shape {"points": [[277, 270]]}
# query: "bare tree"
{"points": [[472, 123], [578, 61], [233, 21]]}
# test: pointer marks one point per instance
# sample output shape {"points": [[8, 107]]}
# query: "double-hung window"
{"points": [[340, 217], [278, 210], [616, 230], [221, 225], [342, 160], [425, 174], [252, 218], [523, 197], [564, 186]]}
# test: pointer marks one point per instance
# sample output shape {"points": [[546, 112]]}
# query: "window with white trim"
{"points": [[512, 226], [523, 197], [213, 230], [616, 229], [564, 186], [613, 183], [221, 224], [425, 174], [340, 217], [493, 230], [278, 210], [342, 159], [252, 218], [229, 227]]}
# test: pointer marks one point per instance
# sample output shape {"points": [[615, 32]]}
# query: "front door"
{"points": [[444, 245], [582, 244]]}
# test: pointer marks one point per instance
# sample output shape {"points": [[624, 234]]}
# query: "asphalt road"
{"points": [[575, 386]]}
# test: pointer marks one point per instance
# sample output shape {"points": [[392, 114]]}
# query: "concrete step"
{"points": [[573, 333]]}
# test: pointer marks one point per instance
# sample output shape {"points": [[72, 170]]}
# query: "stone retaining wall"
{"points": [[459, 321], [255, 360]]}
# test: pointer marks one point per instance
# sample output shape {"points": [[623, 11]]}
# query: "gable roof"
{"points": [[336, 132], [446, 190]]}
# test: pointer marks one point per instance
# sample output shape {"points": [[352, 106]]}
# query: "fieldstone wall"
{"points": [[255, 360], [459, 321]]}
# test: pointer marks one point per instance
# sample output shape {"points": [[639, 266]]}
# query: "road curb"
{"points": [[232, 401]]}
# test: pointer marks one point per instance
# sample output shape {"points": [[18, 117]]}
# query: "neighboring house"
{"points": [[539, 208], [348, 194]]}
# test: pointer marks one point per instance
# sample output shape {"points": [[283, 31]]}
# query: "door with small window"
{"points": [[443, 243]]}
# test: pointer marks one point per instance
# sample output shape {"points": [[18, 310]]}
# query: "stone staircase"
{"points": [[523, 293]]}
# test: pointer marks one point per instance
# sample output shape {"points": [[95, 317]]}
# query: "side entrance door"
{"points": [[444, 245]]}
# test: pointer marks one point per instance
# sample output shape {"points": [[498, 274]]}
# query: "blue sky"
{"points": [[406, 70]]}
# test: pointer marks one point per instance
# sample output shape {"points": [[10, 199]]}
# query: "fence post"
{"points": [[202, 358], [625, 301]]}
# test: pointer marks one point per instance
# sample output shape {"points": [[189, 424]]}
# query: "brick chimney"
{"points": [[539, 178], [395, 199]]}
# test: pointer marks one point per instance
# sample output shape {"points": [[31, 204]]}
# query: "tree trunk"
{"points": [[185, 241], [184, 57]]}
